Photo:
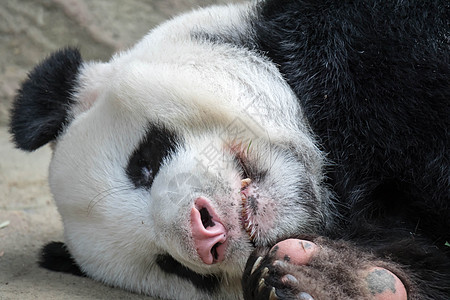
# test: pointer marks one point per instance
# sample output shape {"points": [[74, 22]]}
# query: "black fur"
{"points": [[41, 107], [146, 160], [55, 257], [373, 80], [168, 264]]}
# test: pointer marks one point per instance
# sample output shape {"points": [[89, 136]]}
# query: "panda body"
{"points": [[234, 127]]}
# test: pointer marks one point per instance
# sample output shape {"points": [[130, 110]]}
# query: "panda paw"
{"points": [[320, 269]]}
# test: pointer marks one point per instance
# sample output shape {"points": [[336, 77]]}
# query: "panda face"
{"points": [[140, 192], [181, 156]]}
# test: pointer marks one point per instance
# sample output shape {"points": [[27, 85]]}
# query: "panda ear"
{"points": [[40, 109]]}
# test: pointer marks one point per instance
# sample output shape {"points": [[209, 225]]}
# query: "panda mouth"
{"points": [[247, 221]]}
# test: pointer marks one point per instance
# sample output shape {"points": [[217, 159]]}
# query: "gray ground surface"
{"points": [[30, 30]]}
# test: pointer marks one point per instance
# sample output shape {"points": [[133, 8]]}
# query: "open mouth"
{"points": [[240, 153], [246, 215]]}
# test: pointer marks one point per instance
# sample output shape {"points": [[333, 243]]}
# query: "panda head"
{"points": [[172, 162]]}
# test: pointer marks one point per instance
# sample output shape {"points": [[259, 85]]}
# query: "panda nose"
{"points": [[208, 232]]}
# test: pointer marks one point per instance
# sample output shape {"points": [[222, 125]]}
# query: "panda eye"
{"points": [[145, 177], [144, 163]]}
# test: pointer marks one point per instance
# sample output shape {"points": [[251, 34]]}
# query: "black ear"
{"points": [[40, 109]]}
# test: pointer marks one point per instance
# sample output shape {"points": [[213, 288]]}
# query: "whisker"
{"points": [[103, 194]]}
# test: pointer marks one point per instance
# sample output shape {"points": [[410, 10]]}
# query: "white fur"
{"points": [[196, 89]]}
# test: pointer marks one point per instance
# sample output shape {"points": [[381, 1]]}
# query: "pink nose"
{"points": [[208, 233]]}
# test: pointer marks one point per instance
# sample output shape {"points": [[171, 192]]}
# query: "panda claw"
{"points": [[261, 284], [264, 272], [273, 294], [256, 264]]}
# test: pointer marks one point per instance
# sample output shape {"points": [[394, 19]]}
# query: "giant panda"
{"points": [[274, 149]]}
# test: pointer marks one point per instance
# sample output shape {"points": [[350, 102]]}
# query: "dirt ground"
{"points": [[29, 31]]}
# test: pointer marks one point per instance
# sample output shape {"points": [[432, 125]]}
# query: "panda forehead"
{"points": [[146, 93]]}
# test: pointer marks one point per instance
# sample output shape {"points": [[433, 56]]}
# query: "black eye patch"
{"points": [[144, 163]]}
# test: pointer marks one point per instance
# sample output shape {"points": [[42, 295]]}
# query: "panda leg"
{"points": [[306, 270]]}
